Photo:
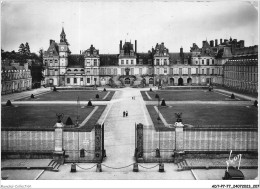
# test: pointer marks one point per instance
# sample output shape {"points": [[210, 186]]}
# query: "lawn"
{"points": [[187, 95], [206, 115], [44, 116], [72, 96]]}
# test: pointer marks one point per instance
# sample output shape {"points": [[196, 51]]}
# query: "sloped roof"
{"points": [[242, 61], [108, 59], [53, 49], [13, 68], [145, 57], [176, 56], [76, 60], [246, 50]]}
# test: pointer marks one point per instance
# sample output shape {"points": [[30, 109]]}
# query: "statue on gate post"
{"points": [[59, 153], [59, 120], [178, 122]]}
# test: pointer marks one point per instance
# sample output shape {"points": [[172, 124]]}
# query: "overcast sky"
{"points": [[104, 24]]}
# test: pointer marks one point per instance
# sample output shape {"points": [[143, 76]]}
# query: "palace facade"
{"points": [[15, 78], [159, 66]]}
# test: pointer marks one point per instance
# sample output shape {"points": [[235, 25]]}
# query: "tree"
{"points": [[27, 49], [41, 54], [89, 103], [21, 49], [69, 121], [163, 103]]}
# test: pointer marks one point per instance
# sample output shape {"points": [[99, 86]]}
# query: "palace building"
{"points": [[159, 66], [15, 78]]}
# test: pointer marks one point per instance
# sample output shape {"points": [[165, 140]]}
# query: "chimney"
{"points": [[120, 44], [203, 43], [181, 52], [135, 46], [216, 42], [241, 43], [220, 41], [212, 43], [225, 41]]}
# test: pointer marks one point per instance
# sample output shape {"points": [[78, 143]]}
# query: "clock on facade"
{"points": [[62, 48]]}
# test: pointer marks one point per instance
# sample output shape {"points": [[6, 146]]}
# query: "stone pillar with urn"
{"points": [[179, 145], [59, 153]]}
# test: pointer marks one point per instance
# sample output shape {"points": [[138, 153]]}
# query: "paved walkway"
{"points": [[119, 130], [238, 103], [236, 94], [15, 96]]}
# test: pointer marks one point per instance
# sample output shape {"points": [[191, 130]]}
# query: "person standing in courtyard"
{"points": [[123, 113], [126, 113]]}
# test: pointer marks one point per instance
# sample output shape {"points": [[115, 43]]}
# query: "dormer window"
{"points": [[82, 70], [75, 70], [68, 70]]}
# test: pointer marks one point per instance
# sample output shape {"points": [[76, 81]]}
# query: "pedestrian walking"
{"points": [[123, 113], [126, 113]]}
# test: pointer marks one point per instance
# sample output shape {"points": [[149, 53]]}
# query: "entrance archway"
{"points": [[127, 81], [171, 81], [151, 81], [180, 81], [189, 81]]}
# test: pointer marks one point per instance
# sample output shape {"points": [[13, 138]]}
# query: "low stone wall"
{"points": [[221, 140], [21, 144], [70, 145], [197, 141], [27, 140]]}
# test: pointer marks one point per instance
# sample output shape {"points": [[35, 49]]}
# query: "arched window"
{"points": [[68, 70], [75, 70]]}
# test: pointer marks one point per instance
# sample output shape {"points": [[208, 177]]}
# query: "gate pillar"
{"points": [[59, 153], [139, 142], [98, 142]]}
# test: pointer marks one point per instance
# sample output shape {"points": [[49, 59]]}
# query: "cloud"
{"points": [[105, 24]]}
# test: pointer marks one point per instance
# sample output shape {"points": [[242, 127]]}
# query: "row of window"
{"points": [[127, 61], [75, 80], [158, 62], [75, 70], [11, 76], [207, 62], [50, 61], [95, 62], [113, 71], [242, 68], [94, 71], [165, 71], [241, 76]]}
